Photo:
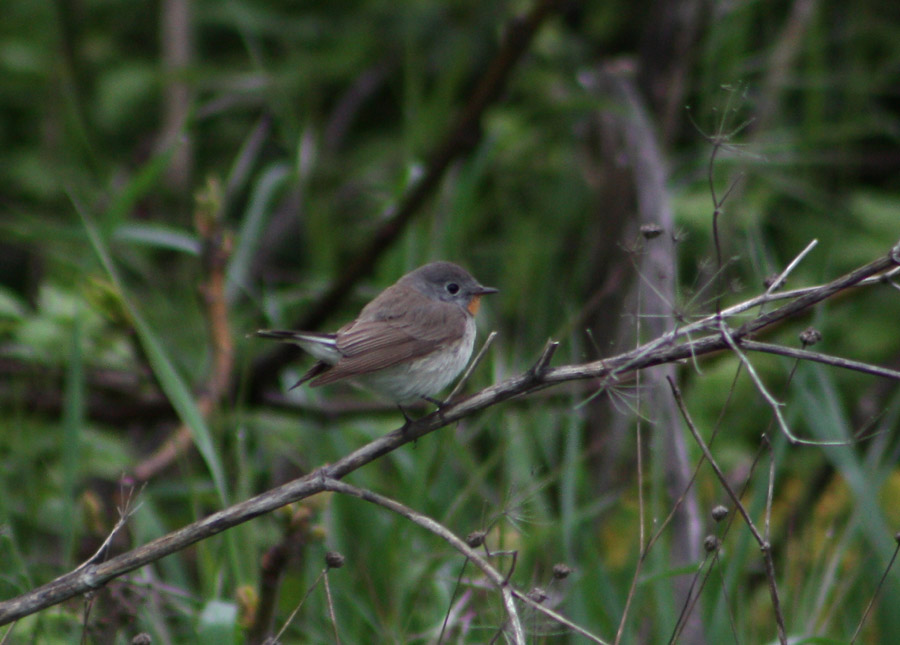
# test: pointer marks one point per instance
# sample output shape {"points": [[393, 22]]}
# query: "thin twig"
{"points": [[764, 546], [770, 492], [770, 400], [471, 368], [8, 634], [868, 275], [640, 490], [537, 370], [690, 601], [86, 615], [456, 587], [782, 277], [662, 526], [126, 510], [645, 549], [330, 601], [817, 357], [273, 564], [296, 610], [559, 618], [887, 569]]}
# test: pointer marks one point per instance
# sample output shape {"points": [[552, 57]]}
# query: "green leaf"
{"points": [[162, 237]]}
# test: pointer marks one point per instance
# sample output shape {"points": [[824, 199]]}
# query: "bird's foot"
{"points": [[407, 420]]}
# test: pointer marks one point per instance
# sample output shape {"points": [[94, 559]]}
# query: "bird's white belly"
{"points": [[424, 376]]}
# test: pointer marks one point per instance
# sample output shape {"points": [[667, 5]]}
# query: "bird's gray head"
{"points": [[448, 282]]}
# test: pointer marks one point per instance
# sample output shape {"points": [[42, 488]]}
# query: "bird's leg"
{"points": [[408, 420], [440, 405], [437, 402]]}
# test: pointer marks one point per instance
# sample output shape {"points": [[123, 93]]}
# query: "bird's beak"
{"points": [[475, 302]]}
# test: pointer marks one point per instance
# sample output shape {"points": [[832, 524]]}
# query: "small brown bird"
{"points": [[410, 342]]}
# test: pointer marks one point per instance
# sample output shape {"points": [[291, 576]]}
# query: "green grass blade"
{"points": [[255, 221], [73, 419], [174, 387]]}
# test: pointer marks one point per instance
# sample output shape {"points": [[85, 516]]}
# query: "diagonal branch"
{"points": [[662, 350]]}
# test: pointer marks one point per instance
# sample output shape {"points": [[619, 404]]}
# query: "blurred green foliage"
{"points": [[314, 119]]}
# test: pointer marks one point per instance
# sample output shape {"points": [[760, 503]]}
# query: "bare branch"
{"points": [[126, 510], [661, 350], [761, 387], [782, 277], [537, 370], [835, 361], [870, 277], [773, 403]]}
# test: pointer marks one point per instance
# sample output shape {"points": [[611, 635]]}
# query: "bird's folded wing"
{"points": [[371, 345]]}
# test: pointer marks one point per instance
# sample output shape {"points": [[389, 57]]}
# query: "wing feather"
{"points": [[377, 339]]}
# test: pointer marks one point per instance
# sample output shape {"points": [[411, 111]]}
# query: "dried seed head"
{"points": [[334, 560], [810, 336], [649, 231], [561, 571], [538, 595]]}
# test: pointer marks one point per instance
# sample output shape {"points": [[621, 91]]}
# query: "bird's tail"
{"points": [[297, 336]]}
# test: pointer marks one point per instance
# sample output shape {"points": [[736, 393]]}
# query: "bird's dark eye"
{"points": [[452, 288]]}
